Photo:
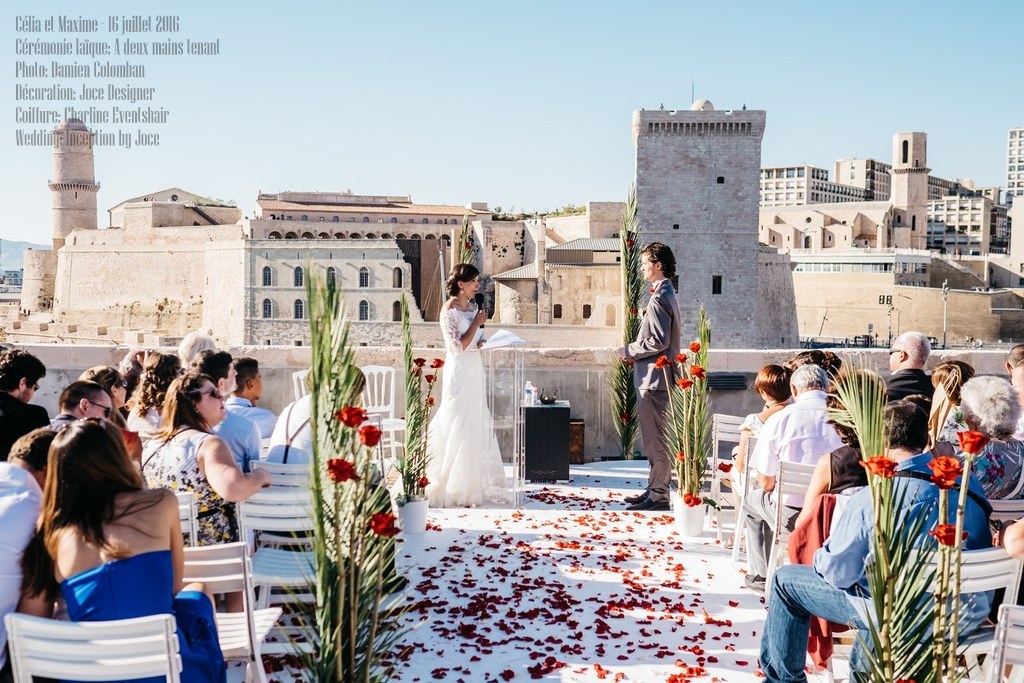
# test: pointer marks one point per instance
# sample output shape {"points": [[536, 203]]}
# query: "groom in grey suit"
{"points": [[658, 336]]}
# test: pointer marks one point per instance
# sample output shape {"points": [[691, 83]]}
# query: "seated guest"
{"points": [[292, 440], [80, 400], [836, 587], [249, 390], [117, 388], [20, 373], [946, 419], [798, 433], [113, 550], [907, 359], [1015, 366], [241, 434], [147, 402], [192, 345], [21, 493], [185, 456], [826, 360], [130, 368], [989, 406]]}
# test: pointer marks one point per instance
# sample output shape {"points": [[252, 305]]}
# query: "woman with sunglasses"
{"points": [[110, 379], [185, 456]]}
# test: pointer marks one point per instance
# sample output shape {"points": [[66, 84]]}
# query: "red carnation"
{"points": [[624, 417], [697, 372], [630, 243], [351, 416], [695, 347], [684, 383], [369, 435], [632, 310], [383, 524], [662, 362], [419, 362], [946, 534], [695, 501], [430, 378], [430, 401], [945, 471], [469, 245], [437, 363], [341, 470], [422, 482], [680, 456], [972, 442], [880, 466], [681, 358]]}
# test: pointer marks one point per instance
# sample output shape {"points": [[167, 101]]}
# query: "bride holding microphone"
{"points": [[464, 464]]}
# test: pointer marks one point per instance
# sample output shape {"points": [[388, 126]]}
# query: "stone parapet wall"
{"points": [[579, 375]]}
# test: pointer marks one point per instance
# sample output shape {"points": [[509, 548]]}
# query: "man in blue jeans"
{"points": [[836, 587]]}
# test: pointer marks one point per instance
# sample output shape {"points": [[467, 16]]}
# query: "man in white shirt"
{"points": [[798, 433], [249, 390], [240, 434], [21, 495]]}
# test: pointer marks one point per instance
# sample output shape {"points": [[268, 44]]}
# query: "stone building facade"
{"points": [[697, 191]]}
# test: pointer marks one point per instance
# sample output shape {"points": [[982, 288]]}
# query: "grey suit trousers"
{"points": [[653, 412]]}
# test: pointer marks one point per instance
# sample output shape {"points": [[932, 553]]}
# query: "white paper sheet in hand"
{"points": [[502, 338]]}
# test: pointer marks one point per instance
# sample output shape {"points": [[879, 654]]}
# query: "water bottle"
{"points": [[528, 394]]}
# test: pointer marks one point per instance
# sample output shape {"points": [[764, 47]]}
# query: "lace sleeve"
{"points": [[450, 330]]}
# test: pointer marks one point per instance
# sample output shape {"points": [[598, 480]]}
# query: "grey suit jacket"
{"points": [[658, 336]]}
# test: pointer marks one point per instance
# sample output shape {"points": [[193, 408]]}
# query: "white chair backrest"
{"points": [[379, 395], [187, 515], [988, 570], [299, 383], [726, 428], [285, 476], [278, 510], [1009, 649], [793, 479], [1007, 510], [93, 651], [223, 568]]}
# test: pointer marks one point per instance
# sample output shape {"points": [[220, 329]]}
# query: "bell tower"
{"points": [[910, 190], [73, 188]]}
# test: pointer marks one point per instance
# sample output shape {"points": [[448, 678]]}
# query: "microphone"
{"points": [[479, 298]]}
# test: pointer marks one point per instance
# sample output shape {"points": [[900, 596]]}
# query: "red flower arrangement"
{"points": [[661, 363], [340, 470], [351, 416], [945, 471], [946, 534], [383, 524], [880, 466], [972, 442], [369, 435], [695, 346]]}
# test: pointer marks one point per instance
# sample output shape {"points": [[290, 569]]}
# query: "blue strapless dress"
{"points": [[140, 586]]}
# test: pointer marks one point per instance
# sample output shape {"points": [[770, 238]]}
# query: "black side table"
{"points": [[546, 442]]}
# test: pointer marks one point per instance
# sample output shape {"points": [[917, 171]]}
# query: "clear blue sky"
{"points": [[528, 104]]}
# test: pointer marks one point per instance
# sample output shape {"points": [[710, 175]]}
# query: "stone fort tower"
{"points": [[697, 190], [73, 191], [910, 190]]}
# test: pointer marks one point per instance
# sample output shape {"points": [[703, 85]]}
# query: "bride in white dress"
{"points": [[464, 464]]}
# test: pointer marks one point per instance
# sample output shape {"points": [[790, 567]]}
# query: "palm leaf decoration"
{"points": [[355, 621], [467, 242], [623, 392]]}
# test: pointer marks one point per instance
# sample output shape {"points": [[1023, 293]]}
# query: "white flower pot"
{"points": [[413, 517], [689, 520]]}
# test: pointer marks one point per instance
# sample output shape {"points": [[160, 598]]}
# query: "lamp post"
{"points": [[945, 296]]}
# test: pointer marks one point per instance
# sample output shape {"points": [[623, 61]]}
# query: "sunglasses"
{"points": [[212, 392], [106, 409]]}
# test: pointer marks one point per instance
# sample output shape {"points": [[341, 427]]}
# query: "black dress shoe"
{"points": [[633, 500], [650, 505]]}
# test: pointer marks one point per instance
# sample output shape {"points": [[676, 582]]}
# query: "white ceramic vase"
{"points": [[413, 517], [689, 520]]}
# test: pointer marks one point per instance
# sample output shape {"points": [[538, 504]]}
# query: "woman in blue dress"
{"points": [[113, 550]]}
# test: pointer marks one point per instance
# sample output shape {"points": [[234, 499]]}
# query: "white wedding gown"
{"points": [[464, 465]]}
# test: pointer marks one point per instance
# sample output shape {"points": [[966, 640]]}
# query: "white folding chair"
{"points": [[125, 649], [187, 515], [299, 388], [225, 568], [380, 399], [1007, 510], [1009, 646], [280, 515], [747, 477], [989, 569], [793, 480], [725, 429], [285, 476]]}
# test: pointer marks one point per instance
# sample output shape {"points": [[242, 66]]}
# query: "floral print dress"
{"points": [[173, 464]]}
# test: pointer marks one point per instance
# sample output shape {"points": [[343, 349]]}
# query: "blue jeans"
{"points": [[797, 594]]}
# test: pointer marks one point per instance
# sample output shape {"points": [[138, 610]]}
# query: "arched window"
{"points": [[370, 236], [300, 309], [268, 277], [557, 312], [364, 310], [364, 277], [298, 276], [425, 220], [447, 239], [400, 236], [305, 217], [290, 236], [807, 242], [268, 308], [336, 219], [332, 277], [366, 219], [385, 235], [396, 278], [394, 220], [906, 150], [307, 235], [586, 311], [324, 235], [274, 235], [396, 312]]}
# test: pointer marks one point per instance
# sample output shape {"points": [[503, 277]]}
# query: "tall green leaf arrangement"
{"points": [[899, 569], [352, 537], [624, 397], [466, 251], [689, 419], [413, 464]]}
